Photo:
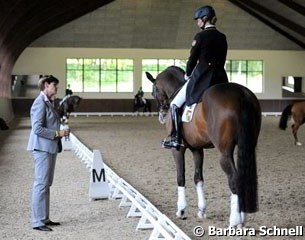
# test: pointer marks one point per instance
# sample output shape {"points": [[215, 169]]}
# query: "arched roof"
{"points": [[23, 21]]}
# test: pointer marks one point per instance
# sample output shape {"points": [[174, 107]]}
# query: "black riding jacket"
{"points": [[206, 63], [69, 92]]}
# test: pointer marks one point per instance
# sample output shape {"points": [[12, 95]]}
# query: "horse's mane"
{"points": [[68, 105], [173, 74], [176, 69]]}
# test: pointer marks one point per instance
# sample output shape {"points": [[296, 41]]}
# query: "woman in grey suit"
{"points": [[44, 143]]}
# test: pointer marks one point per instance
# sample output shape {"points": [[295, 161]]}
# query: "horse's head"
{"points": [[165, 88], [68, 105], [75, 101]]}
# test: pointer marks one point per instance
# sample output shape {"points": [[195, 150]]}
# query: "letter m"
{"points": [[98, 177]]}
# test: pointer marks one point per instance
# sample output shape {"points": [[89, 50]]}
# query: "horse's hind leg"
{"points": [[180, 168], [198, 180], [237, 218], [295, 127]]}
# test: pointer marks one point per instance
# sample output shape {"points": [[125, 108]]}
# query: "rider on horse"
{"points": [[68, 94], [140, 96], [205, 67]]}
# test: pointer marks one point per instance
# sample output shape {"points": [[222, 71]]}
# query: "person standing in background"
{"points": [[44, 144]]}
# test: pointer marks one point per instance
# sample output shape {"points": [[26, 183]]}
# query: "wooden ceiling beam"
{"points": [[274, 16], [294, 6], [260, 17], [35, 19]]}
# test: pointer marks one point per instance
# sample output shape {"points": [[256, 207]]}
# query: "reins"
{"points": [[162, 114], [174, 94]]}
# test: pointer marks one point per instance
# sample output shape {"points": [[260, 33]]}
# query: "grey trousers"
{"points": [[44, 173]]}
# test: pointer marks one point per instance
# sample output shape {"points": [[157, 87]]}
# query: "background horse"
{"points": [[297, 113], [228, 116], [139, 103], [67, 106]]}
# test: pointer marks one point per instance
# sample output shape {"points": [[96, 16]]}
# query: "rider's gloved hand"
{"points": [[186, 77]]}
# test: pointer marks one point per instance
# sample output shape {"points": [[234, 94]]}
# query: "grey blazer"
{"points": [[45, 121]]}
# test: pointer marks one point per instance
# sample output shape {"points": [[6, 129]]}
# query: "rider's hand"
{"points": [[186, 77]]}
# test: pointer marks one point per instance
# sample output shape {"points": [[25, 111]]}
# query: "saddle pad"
{"points": [[188, 113]]}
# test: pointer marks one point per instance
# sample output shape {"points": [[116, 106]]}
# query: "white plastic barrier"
{"points": [[150, 217], [276, 114], [87, 114]]}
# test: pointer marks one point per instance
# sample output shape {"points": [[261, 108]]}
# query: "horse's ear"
{"points": [[150, 77]]}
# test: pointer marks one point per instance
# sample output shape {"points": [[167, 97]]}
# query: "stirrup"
{"points": [[165, 142], [171, 144]]}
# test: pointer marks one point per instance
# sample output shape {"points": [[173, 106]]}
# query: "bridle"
{"points": [[164, 105]]}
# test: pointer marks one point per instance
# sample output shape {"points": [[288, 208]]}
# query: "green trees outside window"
{"points": [[117, 75], [248, 73], [100, 75], [155, 66]]}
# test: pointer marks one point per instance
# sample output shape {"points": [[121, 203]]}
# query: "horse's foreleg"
{"points": [[198, 180], [181, 203], [201, 200], [180, 168]]}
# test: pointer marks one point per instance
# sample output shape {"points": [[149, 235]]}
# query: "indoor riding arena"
{"points": [[100, 50]]}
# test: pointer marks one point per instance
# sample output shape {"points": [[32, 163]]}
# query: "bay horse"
{"points": [[227, 117], [297, 113], [66, 106], [139, 103]]}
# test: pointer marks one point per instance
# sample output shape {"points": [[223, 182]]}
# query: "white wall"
{"points": [[53, 61]]}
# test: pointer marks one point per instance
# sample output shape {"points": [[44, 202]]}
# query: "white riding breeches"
{"points": [[180, 98]]}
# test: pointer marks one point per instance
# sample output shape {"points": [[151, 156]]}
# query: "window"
{"points": [[100, 75], [75, 74], [155, 66], [248, 73]]}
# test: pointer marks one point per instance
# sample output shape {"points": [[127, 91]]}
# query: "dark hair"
{"points": [[47, 78]]}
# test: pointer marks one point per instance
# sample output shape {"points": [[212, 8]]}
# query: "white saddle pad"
{"points": [[188, 113]]}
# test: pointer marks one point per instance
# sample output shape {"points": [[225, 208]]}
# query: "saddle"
{"points": [[188, 112]]}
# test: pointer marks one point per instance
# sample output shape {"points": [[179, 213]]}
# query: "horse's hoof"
{"points": [[181, 214], [182, 217], [239, 226], [201, 214], [298, 144]]}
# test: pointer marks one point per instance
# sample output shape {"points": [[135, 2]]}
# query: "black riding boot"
{"points": [[175, 141]]}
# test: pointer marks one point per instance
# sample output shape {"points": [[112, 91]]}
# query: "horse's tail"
{"points": [[248, 131], [284, 117]]}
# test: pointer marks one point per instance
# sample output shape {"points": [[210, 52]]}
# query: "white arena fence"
{"points": [[87, 114], [150, 217], [100, 114]]}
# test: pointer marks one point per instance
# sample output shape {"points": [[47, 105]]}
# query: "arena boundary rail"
{"points": [[150, 217], [87, 114]]}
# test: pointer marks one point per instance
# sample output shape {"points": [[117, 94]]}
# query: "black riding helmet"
{"points": [[205, 11]]}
